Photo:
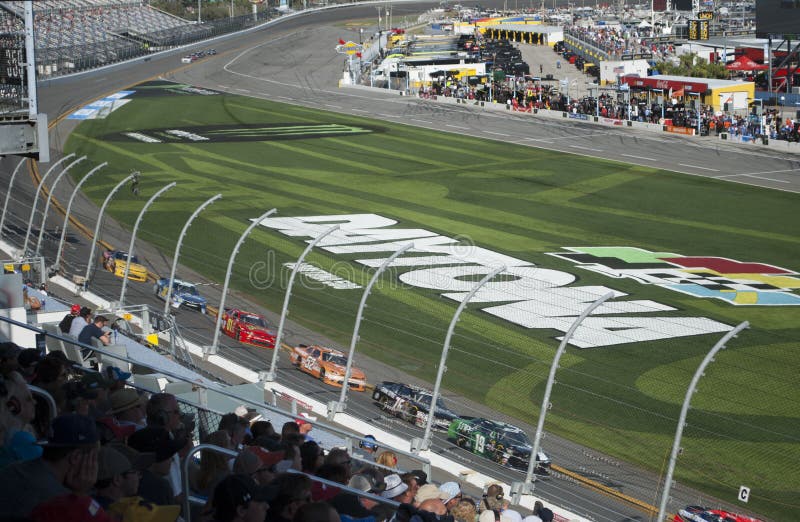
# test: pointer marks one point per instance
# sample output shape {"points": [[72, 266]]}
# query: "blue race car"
{"points": [[183, 294]]}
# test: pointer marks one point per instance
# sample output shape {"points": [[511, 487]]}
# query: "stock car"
{"points": [[328, 365], [247, 327], [115, 260], [503, 443], [412, 404], [703, 514], [183, 294]]}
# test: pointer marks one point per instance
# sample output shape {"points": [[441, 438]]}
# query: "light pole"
{"points": [[354, 339], [49, 198], [231, 260], [783, 102], [178, 249], [133, 238], [36, 199], [273, 367], [8, 194], [426, 438], [75, 191], [676, 443], [97, 226]]}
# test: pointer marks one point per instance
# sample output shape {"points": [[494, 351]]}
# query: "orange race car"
{"points": [[328, 365]]}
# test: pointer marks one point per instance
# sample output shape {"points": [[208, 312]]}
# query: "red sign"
{"points": [[679, 130], [654, 82]]}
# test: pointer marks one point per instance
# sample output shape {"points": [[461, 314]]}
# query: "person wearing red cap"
{"points": [[66, 322]]}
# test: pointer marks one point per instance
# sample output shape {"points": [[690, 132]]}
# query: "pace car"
{"points": [[328, 365], [703, 514], [183, 294], [115, 260], [412, 404], [504, 443], [247, 327]]}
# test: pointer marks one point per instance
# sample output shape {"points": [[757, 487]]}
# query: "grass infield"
{"points": [[624, 400]]}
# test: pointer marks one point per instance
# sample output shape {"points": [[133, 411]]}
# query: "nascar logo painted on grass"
{"points": [[234, 133], [525, 295], [738, 283]]}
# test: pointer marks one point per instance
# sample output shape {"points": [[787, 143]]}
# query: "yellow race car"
{"points": [[115, 260]]}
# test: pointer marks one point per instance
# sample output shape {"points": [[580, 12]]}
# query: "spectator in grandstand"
{"points": [[96, 382], [410, 480], [154, 485], [162, 411], [323, 492], [421, 476], [128, 408], [116, 378], [68, 464], [396, 489], [367, 448], [428, 492], [316, 512], [493, 499], [80, 322], [66, 322], [352, 505], [28, 360], [17, 408], [263, 434], [70, 508], [387, 458], [291, 492], [94, 330], [453, 492], [213, 465], [340, 457], [9, 353], [290, 429], [304, 427], [464, 511], [236, 428], [311, 457], [116, 476], [237, 498]]}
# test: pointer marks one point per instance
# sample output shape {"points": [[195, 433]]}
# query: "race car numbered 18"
{"points": [[744, 493]]}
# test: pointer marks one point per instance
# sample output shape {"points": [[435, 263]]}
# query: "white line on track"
{"points": [[497, 133], [242, 90], [285, 98], [766, 179], [359, 110], [637, 157], [388, 116], [756, 173], [585, 148], [456, 127], [421, 121], [697, 167], [332, 106]]}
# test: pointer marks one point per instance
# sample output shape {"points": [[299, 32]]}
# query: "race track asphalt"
{"points": [[294, 62]]}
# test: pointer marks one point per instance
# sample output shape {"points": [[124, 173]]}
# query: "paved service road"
{"points": [[295, 62]]}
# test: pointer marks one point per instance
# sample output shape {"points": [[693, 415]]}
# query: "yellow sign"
{"points": [[705, 15], [704, 29], [152, 339], [348, 48], [26, 267], [694, 29]]}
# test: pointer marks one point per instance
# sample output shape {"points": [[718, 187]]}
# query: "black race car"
{"points": [[411, 404]]}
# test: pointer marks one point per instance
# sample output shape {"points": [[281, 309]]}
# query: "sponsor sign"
{"points": [[576, 116], [680, 130], [239, 133], [528, 296], [611, 121], [101, 108], [735, 282]]}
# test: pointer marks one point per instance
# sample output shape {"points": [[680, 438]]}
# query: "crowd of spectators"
{"points": [[113, 453]]}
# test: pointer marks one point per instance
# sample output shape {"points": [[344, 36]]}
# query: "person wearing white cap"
{"points": [[453, 493], [395, 487]]}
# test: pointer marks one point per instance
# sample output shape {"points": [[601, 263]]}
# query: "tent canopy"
{"points": [[744, 63]]}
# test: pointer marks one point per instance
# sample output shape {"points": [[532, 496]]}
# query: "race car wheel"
{"points": [[461, 442], [376, 396], [384, 402], [410, 413], [239, 335], [322, 375]]}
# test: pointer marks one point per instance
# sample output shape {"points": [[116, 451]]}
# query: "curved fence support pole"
{"points": [[8, 194], [426, 438], [36, 200], [97, 226], [270, 375], [527, 487], [676, 444], [178, 248], [75, 191], [50, 198], [133, 238], [336, 407], [228, 272]]}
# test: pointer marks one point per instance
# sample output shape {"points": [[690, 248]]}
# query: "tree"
{"points": [[690, 64]]}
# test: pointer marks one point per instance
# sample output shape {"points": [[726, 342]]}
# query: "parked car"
{"points": [[328, 365], [703, 514], [412, 404], [504, 443], [247, 328], [183, 294], [115, 260]]}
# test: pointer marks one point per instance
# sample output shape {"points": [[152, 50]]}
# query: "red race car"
{"points": [[247, 327], [703, 514]]}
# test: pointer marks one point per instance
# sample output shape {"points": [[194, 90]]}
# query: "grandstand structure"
{"points": [[77, 35]]}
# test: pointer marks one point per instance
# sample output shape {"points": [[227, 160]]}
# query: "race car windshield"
{"points": [[254, 320], [185, 289], [123, 256], [518, 438], [335, 359], [426, 401]]}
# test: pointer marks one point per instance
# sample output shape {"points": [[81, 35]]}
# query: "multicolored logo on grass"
{"points": [[739, 283]]}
